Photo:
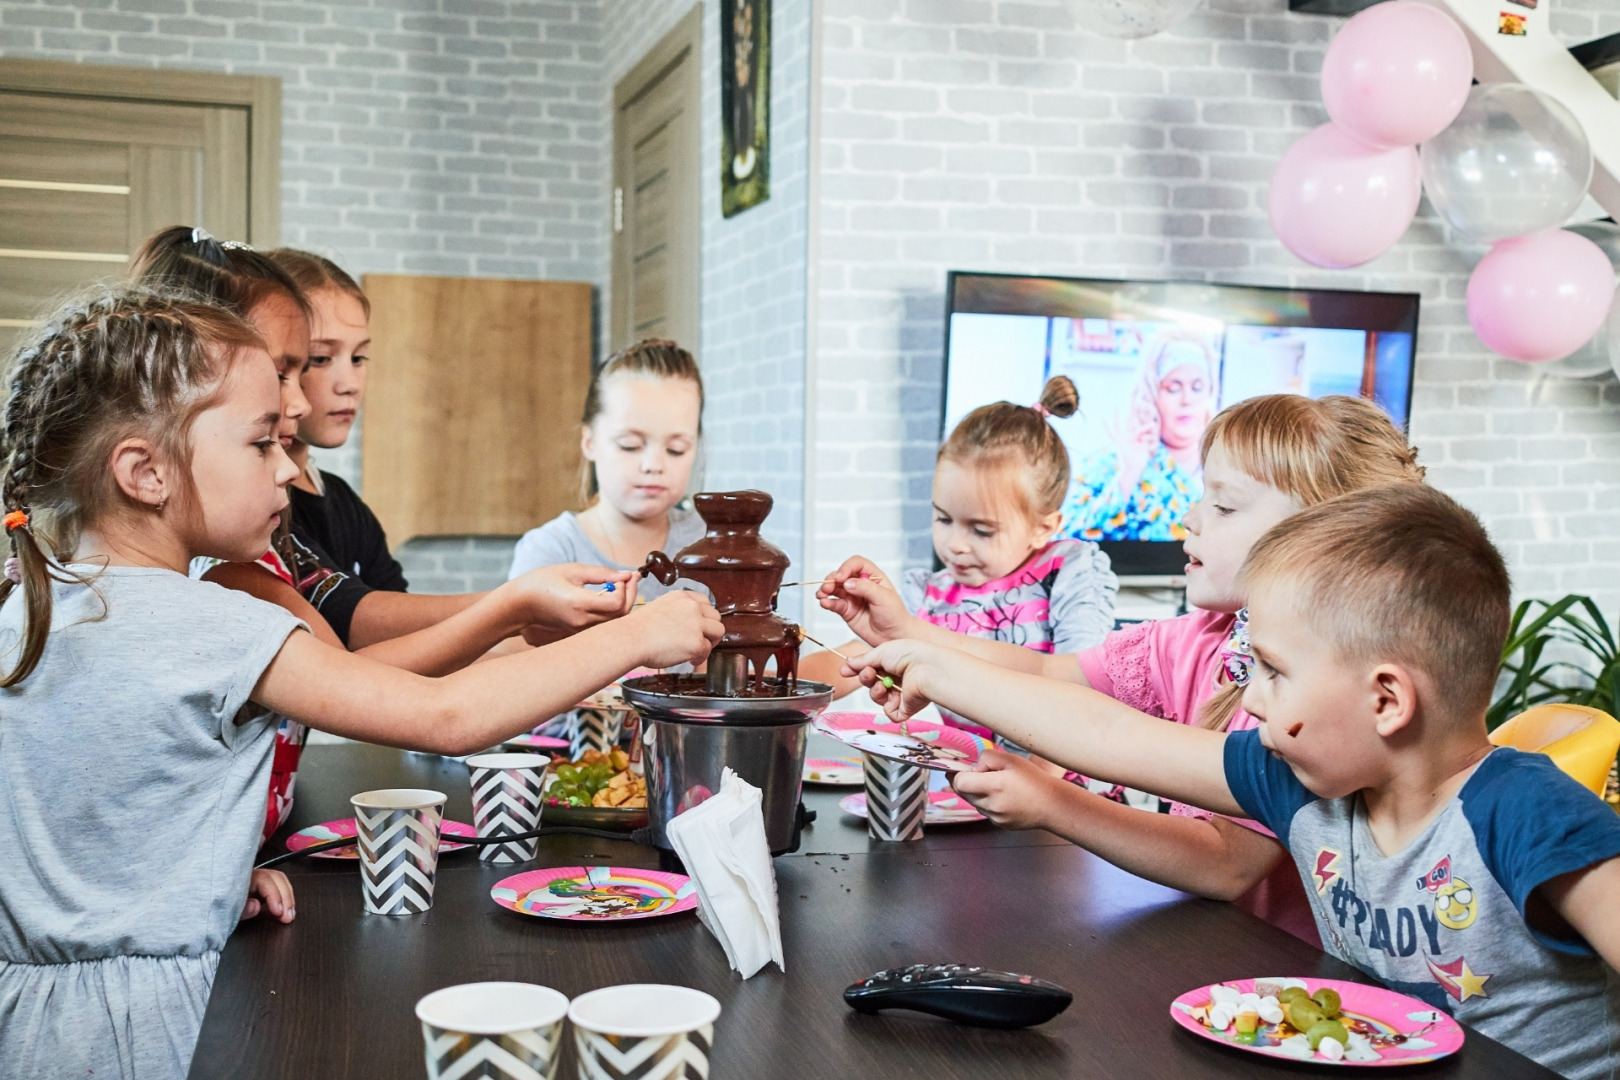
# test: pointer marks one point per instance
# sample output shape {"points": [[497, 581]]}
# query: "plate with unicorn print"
{"points": [[944, 808], [530, 741], [1346, 1023], [925, 743], [843, 771], [595, 893], [328, 831]]}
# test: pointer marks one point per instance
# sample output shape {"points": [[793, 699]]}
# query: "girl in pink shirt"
{"points": [[1264, 460]]}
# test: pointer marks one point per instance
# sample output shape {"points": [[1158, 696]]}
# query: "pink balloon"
{"points": [[1337, 202], [1540, 297], [1397, 74]]}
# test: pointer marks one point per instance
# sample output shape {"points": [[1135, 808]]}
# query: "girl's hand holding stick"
{"points": [[863, 597]]}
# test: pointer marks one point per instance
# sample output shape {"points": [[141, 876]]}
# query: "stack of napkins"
{"points": [[722, 843]]}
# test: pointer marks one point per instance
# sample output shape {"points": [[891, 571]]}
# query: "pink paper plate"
{"points": [[928, 744], [595, 893], [944, 808], [835, 772], [1401, 1030], [337, 830], [532, 741]]}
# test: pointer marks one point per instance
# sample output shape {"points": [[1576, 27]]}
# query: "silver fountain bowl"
{"points": [[691, 702]]}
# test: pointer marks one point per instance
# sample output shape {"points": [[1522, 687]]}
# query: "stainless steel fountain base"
{"points": [[689, 739]]}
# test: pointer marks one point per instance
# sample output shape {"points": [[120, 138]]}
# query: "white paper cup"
{"points": [[399, 848], [896, 799], [508, 793], [595, 729], [644, 1029], [501, 1030]]}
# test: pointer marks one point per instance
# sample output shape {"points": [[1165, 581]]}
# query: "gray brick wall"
{"points": [[995, 135], [474, 137]]}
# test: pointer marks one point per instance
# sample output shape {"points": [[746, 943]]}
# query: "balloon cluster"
{"points": [[1502, 163], [1130, 19]]}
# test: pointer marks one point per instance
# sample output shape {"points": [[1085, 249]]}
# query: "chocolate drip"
{"points": [[658, 566]]}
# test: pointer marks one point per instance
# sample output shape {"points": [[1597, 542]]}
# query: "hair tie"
{"points": [[200, 234], [1041, 410], [14, 570], [17, 519]]}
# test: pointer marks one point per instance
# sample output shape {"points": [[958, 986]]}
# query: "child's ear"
{"points": [[1047, 527], [1394, 698], [587, 444], [140, 473]]}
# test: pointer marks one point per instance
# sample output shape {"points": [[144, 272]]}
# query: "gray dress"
{"points": [[561, 540], [131, 801]]}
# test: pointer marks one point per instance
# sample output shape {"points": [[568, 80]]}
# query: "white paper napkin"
{"points": [[722, 843]]}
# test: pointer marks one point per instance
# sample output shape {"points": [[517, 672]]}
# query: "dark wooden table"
{"points": [[332, 995]]}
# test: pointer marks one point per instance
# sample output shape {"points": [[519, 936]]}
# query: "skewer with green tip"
{"points": [[888, 683]]}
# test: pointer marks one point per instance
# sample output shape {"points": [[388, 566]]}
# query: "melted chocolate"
{"points": [[743, 572]]}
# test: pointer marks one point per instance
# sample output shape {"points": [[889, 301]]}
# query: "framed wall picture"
{"points": [[745, 104]]}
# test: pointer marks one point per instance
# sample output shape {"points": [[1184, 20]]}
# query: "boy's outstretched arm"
{"points": [[1585, 900], [1071, 725], [1215, 858]]}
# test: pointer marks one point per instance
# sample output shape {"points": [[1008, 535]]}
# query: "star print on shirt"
{"points": [[1457, 979]]}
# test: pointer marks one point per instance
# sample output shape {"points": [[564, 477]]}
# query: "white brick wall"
{"points": [[474, 137], [995, 135]]}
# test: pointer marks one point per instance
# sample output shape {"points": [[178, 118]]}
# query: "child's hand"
{"points": [[1009, 790], [858, 593], [904, 664], [679, 627], [555, 602], [269, 890]]}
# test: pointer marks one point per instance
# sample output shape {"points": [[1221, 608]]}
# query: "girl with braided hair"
{"points": [[430, 635], [139, 433]]}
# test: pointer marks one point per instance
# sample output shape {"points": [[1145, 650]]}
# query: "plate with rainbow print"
{"points": [[1381, 1027], [595, 893], [328, 831]]}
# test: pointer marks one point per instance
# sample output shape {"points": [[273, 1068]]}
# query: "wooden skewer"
{"points": [[888, 683]]}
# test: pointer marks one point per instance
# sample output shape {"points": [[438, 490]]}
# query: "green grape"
{"points": [[1324, 1028], [1328, 998]]}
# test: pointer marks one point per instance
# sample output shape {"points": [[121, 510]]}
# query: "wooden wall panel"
{"points": [[473, 403]]}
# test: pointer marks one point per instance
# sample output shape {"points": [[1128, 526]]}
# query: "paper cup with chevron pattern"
{"points": [[493, 1030], [896, 799], [508, 793], [595, 729], [399, 848], [644, 1031]]}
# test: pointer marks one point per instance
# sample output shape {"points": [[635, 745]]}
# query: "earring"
{"points": [[159, 507]]}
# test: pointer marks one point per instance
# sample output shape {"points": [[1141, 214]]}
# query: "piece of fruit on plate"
{"points": [[597, 779]]}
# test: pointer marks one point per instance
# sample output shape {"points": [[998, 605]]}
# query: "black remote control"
{"points": [[967, 995]]}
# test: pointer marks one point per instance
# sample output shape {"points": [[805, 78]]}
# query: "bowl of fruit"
{"points": [[598, 791]]}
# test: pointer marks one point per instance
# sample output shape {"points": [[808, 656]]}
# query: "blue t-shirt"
{"points": [[1443, 920]]}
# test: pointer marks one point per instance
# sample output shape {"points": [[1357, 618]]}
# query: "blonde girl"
{"points": [[139, 432], [1264, 460], [639, 437], [999, 481]]}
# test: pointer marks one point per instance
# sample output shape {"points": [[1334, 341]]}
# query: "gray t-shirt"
{"points": [[1444, 920], [138, 799], [561, 540]]}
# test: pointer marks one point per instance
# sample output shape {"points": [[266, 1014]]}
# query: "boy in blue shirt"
{"points": [[1480, 879]]}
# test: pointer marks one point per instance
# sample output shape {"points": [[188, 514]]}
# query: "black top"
{"points": [[341, 525], [340, 532]]}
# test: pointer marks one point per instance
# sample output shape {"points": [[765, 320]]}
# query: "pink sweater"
{"points": [[1168, 668]]}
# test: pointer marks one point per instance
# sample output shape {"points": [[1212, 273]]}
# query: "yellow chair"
{"points": [[1582, 741]]}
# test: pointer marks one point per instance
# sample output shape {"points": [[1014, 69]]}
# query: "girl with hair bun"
{"points": [[999, 483]]}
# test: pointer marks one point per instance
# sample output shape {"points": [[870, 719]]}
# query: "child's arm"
{"points": [[470, 710], [826, 667], [555, 594], [1585, 900], [858, 593], [1071, 725], [1216, 858]]}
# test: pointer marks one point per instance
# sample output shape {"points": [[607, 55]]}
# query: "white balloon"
{"points": [[1130, 18], [1596, 357], [1514, 162], [1614, 334]]}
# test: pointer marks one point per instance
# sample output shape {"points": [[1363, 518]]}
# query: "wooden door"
{"points": [[657, 258], [473, 405], [88, 172]]}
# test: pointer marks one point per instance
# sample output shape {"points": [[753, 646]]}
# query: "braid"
{"points": [[118, 361]]}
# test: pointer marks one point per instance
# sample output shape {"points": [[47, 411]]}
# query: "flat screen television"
{"points": [[1153, 361]]}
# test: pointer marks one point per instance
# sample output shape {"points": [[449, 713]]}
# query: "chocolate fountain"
{"points": [[748, 711]]}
